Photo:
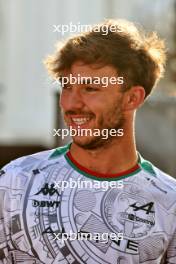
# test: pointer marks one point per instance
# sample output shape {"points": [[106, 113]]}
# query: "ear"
{"points": [[133, 98]]}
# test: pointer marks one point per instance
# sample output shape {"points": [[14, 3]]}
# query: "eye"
{"points": [[91, 89], [66, 87]]}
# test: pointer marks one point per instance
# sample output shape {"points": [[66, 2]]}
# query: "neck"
{"points": [[116, 156]]}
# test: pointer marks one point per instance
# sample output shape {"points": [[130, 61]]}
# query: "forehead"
{"points": [[92, 70]]}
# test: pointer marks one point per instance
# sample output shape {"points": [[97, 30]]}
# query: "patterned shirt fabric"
{"points": [[42, 221]]}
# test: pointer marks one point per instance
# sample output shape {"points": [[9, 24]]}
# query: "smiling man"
{"points": [[88, 106], [133, 220]]}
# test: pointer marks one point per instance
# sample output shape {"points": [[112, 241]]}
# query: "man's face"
{"points": [[91, 106]]}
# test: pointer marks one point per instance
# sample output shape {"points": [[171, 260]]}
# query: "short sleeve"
{"points": [[4, 217], [171, 251]]}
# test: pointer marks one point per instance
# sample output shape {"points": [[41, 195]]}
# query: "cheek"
{"points": [[62, 101], [96, 102], [95, 107]]}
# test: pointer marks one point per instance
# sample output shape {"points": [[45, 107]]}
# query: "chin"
{"points": [[89, 142]]}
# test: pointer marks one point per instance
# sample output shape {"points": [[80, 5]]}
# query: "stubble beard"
{"points": [[97, 142], [116, 121]]}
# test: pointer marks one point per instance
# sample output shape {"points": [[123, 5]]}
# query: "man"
{"points": [[130, 220]]}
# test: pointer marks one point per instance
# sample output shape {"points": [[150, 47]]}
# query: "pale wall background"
{"points": [[27, 103]]}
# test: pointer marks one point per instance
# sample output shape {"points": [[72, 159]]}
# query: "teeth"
{"points": [[80, 121]]}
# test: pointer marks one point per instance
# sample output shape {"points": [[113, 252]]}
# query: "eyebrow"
{"points": [[84, 79]]}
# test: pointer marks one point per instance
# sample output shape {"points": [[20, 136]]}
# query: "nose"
{"points": [[72, 100]]}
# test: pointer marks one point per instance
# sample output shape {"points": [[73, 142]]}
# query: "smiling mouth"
{"points": [[80, 121]]}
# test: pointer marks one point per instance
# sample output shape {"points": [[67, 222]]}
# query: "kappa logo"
{"points": [[48, 190]]}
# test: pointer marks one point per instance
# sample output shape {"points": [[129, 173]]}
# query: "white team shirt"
{"points": [[40, 222]]}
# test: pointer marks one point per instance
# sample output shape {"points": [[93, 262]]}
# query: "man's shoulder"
{"points": [[28, 160], [32, 161], [153, 173], [165, 178]]}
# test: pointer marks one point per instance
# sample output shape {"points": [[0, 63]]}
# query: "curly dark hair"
{"points": [[137, 56]]}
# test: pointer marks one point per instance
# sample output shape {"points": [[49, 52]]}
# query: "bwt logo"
{"points": [[36, 203]]}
